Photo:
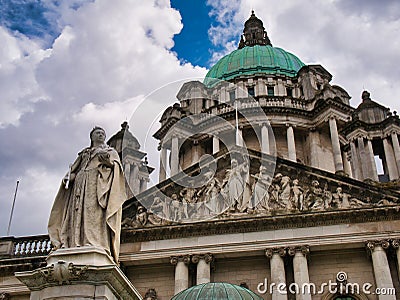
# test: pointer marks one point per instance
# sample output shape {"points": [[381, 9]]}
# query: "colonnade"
{"points": [[363, 160], [181, 263], [377, 250], [362, 155]]}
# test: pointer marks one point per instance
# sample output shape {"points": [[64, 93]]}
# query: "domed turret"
{"points": [[255, 55], [217, 290]]}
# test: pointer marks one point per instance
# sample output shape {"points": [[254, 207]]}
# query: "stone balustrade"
{"points": [[28, 246]]}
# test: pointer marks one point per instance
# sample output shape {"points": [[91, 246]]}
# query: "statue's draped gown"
{"points": [[89, 212]]}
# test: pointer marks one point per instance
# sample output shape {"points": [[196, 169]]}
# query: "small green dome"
{"points": [[253, 60], [216, 290]]}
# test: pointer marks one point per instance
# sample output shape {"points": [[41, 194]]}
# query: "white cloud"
{"points": [[107, 55]]}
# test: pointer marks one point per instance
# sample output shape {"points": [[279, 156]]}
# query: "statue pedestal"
{"points": [[79, 273]]}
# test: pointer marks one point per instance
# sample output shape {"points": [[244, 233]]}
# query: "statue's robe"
{"points": [[89, 211]]}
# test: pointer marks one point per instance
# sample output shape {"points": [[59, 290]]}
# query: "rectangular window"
{"points": [[289, 92], [270, 91], [250, 91], [232, 95]]}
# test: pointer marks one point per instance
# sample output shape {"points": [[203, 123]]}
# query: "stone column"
{"points": [[174, 155], [291, 143], [203, 261], [355, 162], [163, 161], [390, 160], [396, 148], [265, 138], [363, 158], [346, 164], [134, 178], [277, 272], [314, 142], [300, 270], [337, 153], [181, 264], [215, 144], [127, 172], [383, 278], [196, 152], [371, 160], [239, 137], [396, 245]]}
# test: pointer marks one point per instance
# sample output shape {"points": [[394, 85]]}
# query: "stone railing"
{"points": [[244, 103], [29, 246]]}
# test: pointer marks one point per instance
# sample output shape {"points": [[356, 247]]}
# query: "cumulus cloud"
{"points": [[107, 55]]}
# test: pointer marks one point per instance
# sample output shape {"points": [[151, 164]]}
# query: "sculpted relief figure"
{"points": [[260, 197], [236, 186], [88, 207]]}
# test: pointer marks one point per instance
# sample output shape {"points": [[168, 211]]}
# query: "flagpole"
{"points": [[12, 209]]}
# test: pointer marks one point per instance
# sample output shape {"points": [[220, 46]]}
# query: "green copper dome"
{"points": [[253, 60], [216, 290]]}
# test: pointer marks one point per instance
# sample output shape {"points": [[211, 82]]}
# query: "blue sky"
{"points": [[192, 43], [68, 65]]}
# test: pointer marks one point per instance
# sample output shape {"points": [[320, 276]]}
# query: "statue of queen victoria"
{"points": [[88, 207]]}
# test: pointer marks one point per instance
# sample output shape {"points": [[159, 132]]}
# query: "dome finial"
{"points": [[254, 33]]}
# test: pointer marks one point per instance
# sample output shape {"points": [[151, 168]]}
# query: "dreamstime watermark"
{"points": [[338, 286]]}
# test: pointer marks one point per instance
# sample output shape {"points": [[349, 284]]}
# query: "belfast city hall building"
{"points": [[271, 186]]}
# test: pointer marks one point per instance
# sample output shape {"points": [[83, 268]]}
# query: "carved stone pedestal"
{"points": [[78, 273]]}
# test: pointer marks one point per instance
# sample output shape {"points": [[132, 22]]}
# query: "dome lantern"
{"points": [[254, 33]]}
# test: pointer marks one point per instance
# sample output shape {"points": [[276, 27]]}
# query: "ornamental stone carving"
{"points": [[151, 294], [208, 258], [305, 250], [371, 245], [245, 187], [4, 296], [183, 258], [63, 272], [281, 251]]}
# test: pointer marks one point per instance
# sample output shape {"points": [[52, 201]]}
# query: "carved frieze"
{"points": [[243, 188]]}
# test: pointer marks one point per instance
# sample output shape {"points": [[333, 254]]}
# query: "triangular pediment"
{"points": [[239, 198]]}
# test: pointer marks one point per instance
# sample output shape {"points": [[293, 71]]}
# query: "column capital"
{"points": [[396, 243], [290, 125], [371, 245], [304, 249], [207, 257], [182, 258], [313, 129], [4, 296], [281, 251]]}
